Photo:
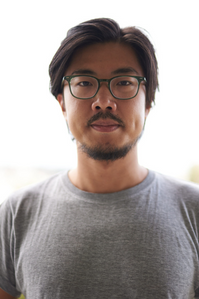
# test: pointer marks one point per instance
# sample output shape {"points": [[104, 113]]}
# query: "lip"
{"points": [[105, 125], [105, 122]]}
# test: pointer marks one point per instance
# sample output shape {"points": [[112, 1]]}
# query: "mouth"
{"points": [[105, 122], [107, 125]]}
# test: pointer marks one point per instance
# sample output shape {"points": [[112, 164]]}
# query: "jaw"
{"points": [[106, 151]]}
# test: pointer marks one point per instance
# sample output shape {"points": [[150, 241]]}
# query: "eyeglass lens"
{"points": [[121, 87]]}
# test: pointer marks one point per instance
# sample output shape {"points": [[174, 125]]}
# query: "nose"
{"points": [[104, 100]]}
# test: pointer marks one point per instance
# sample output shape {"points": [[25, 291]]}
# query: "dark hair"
{"points": [[101, 31]]}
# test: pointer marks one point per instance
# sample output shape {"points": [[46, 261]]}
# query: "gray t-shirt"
{"points": [[60, 242]]}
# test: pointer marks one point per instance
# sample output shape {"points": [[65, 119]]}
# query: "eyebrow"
{"points": [[124, 70], [83, 72]]}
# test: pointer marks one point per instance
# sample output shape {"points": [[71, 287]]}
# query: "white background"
{"points": [[32, 130]]}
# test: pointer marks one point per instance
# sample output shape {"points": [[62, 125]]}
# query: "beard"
{"points": [[108, 152]]}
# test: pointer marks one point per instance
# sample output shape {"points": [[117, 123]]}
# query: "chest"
{"points": [[107, 252]]}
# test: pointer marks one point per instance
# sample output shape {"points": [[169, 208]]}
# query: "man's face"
{"points": [[103, 123]]}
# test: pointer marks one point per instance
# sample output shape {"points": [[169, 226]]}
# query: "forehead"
{"points": [[105, 58]]}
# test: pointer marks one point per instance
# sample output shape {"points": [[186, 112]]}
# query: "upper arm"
{"points": [[4, 295], [7, 277]]}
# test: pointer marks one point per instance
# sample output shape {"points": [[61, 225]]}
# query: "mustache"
{"points": [[102, 115]]}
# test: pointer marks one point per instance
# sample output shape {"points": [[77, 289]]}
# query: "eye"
{"points": [[84, 83], [124, 83]]}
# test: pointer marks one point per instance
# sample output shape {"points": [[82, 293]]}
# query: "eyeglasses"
{"points": [[121, 87]]}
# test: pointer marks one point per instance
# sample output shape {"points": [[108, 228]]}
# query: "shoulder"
{"points": [[34, 194], [180, 185], [177, 189]]}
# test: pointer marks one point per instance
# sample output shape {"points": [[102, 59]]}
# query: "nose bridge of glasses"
{"points": [[103, 80], [101, 83], [104, 96]]}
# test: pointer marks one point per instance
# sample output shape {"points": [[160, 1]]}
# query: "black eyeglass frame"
{"points": [[69, 78]]}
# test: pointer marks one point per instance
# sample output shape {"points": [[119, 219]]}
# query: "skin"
{"points": [[4, 295], [103, 61]]}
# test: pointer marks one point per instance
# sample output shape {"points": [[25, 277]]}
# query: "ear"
{"points": [[147, 110], [60, 99]]}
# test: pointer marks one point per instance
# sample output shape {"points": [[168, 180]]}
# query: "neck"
{"points": [[107, 177]]}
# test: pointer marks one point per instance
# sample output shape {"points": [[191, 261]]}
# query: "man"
{"points": [[109, 228]]}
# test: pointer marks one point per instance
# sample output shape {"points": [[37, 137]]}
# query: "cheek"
{"points": [[76, 113], [134, 113], [140, 108]]}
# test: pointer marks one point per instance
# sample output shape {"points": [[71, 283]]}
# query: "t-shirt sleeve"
{"points": [[7, 270]]}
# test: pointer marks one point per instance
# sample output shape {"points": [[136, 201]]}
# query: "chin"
{"points": [[107, 152]]}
